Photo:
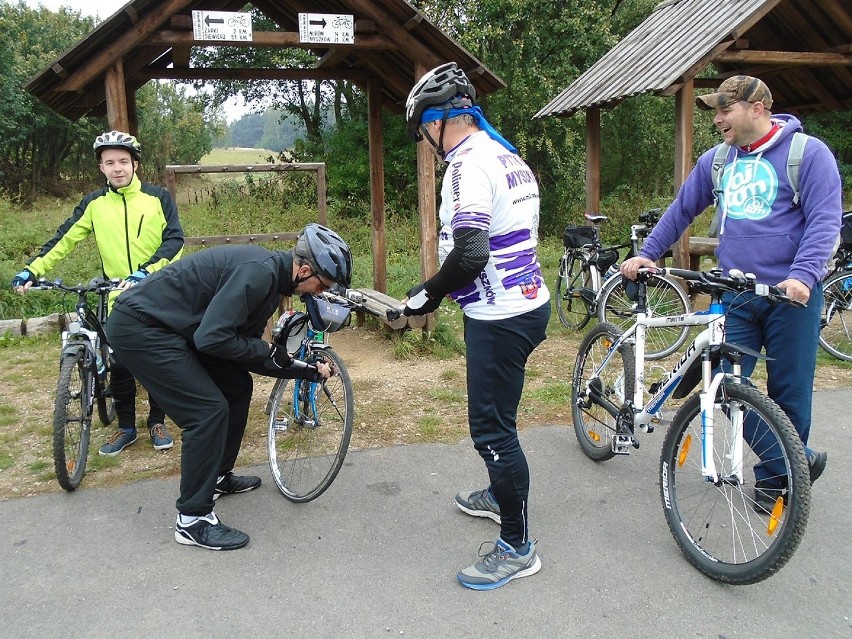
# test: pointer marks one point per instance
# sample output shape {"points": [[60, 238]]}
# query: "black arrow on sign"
{"points": [[208, 20], [322, 22]]}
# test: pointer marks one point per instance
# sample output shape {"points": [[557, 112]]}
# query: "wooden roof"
{"points": [[802, 49], [153, 38]]}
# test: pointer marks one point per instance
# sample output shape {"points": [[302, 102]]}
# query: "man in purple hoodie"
{"points": [[766, 230]]}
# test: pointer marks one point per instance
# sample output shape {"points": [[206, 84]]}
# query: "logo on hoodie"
{"points": [[750, 187]]}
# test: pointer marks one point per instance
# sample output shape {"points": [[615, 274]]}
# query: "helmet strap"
{"points": [[439, 146]]}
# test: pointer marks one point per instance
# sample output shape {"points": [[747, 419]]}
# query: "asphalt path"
{"points": [[376, 555]]}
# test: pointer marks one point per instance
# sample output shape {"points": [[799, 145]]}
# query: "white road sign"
{"points": [[221, 25], [326, 28]]}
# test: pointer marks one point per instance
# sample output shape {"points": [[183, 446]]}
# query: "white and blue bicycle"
{"points": [[728, 527]]}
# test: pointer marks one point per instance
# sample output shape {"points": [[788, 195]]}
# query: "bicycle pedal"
{"points": [[621, 444]]}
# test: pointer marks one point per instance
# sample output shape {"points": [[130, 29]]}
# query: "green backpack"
{"points": [[794, 161]]}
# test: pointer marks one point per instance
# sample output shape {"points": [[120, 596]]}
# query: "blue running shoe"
{"points": [[120, 440], [499, 566], [160, 437]]}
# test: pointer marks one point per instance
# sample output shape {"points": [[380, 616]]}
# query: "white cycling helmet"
{"points": [[117, 140]]}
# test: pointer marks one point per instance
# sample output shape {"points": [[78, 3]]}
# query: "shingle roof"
{"points": [[681, 37]]}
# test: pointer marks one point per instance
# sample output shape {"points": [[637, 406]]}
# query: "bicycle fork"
{"points": [[733, 448]]}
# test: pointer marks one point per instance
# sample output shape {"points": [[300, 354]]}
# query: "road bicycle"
{"points": [[84, 379], [310, 423], [835, 336], [729, 525], [589, 285]]}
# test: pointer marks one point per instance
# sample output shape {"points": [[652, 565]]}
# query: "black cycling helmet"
{"points": [[326, 252], [117, 140], [444, 87]]}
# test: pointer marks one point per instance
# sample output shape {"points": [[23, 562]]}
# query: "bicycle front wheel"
{"points": [[595, 426], [725, 529], [310, 425], [72, 419], [665, 297], [105, 400], [574, 292], [835, 336]]}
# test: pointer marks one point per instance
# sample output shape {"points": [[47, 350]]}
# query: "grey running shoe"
{"points": [[208, 532], [816, 464], [120, 440], [479, 503], [499, 566], [232, 484]]}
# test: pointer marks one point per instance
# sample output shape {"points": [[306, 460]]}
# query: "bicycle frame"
{"points": [[709, 340]]}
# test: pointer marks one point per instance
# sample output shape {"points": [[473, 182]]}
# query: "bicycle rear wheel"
{"points": [[72, 419], [594, 426], [719, 527], [573, 287], [665, 297], [309, 430], [835, 336]]}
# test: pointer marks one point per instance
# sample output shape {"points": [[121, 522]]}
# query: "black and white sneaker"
{"points": [[231, 484], [208, 532]]}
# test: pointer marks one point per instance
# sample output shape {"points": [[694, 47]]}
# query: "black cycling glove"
{"points": [[22, 278], [420, 301], [278, 358]]}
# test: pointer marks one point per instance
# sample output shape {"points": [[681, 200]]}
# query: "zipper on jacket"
{"points": [[139, 230], [130, 268]]}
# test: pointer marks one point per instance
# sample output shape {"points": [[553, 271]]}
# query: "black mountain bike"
{"points": [[835, 336], [84, 379]]}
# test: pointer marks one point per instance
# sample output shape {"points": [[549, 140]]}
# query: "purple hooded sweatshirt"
{"points": [[762, 231]]}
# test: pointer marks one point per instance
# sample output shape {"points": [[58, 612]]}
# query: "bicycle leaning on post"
{"points": [[589, 285], [310, 423], [724, 444], [84, 379], [835, 336]]}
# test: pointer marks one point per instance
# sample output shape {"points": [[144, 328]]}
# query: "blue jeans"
{"points": [[497, 353], [790, 335]]}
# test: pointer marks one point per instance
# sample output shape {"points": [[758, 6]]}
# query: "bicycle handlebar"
{"points": [[97, 285], [355, 299], [715, 280]]}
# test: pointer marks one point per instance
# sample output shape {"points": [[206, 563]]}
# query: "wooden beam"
{"points": [[426, 203], [377, 184], [288, 39], [684, 106], [593, 160], [151, 73], [413, 47], [134, 36], [116, 98], [807, 58]]}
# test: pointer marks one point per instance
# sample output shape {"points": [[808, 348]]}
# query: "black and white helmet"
{"points": [[444, 87], [326, 252], [117, 140]]}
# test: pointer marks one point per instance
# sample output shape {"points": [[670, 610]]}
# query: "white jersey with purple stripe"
{"points": [[487, 187]]}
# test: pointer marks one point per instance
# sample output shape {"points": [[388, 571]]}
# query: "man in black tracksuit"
{"points": [[191, 334]]}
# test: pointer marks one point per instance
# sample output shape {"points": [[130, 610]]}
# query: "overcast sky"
{"points": [[103, 9]]}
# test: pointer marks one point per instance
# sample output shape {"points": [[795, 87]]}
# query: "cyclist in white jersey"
{"points": [[487, 250]]}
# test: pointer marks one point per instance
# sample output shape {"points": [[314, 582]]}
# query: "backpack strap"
{"points": [[720, 155], [794, 162]]}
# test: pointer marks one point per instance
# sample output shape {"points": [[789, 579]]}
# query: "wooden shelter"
{"points": [[393, 45], [802, 49]]}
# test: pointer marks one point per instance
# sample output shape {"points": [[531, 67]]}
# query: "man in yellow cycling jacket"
{"points": [[137, 231]]}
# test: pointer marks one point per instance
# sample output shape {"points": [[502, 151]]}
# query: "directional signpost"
{"points": [[221, 25], [326, 28]]}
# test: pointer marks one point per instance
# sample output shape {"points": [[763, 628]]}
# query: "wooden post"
{"points": [[322, 198], [593, 160], [171, 183], [377, 184], [684, 102], [116, 98]]}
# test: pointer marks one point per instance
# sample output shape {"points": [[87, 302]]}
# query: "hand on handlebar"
{"points": [[630, 268], [796, 291], [23, 281]]}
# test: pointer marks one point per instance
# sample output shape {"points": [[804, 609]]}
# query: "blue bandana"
{"points": [[430, 115]]}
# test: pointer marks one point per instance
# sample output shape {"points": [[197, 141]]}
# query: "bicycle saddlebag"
{"points": [[846, 231], [577, 236], [325, 316], [606, 258]]}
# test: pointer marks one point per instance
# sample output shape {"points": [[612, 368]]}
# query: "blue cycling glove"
{"points": [[22, 278], [137, 276]]}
